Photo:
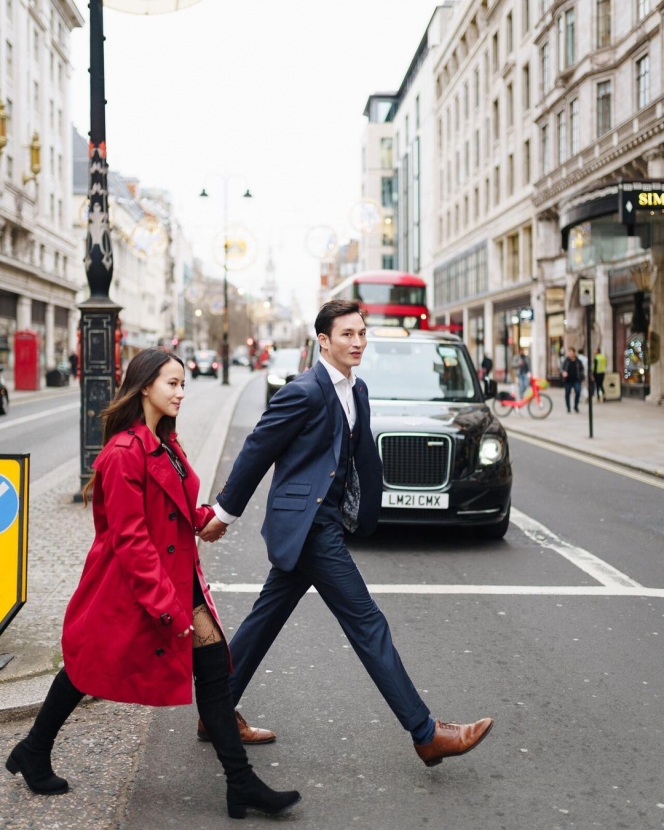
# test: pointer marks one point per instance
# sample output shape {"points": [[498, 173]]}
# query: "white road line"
{"points": [[604, 573], [486, 590], [26, 419], [579, 455]]}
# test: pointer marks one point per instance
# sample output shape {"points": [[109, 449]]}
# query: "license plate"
{"points": [[393, 498]]}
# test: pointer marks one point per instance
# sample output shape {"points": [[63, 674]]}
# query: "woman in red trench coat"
{"points": [[142, 617]]}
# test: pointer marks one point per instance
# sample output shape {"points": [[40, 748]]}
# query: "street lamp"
{"points": [[224, 320], [99, 331]]}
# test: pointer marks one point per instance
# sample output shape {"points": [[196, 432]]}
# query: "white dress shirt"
{"points": [[343, 386]]}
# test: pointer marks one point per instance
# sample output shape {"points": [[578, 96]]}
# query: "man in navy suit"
{"points": [[327, 477]]}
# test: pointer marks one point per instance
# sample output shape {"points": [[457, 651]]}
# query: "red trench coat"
{"points": [[135, 596]]}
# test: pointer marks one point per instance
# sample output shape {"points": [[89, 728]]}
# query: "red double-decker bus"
{"points": [[390, 298]]}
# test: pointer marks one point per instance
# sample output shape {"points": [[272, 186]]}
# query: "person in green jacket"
{"points": [[599, 371]]}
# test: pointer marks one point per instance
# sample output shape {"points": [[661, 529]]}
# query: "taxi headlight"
{"points": [[275, 380], [491, 450]]}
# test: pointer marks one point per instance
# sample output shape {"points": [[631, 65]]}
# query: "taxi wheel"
{"points": [[496, 531]]}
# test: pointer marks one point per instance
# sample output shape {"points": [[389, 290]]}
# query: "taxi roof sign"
{"points": [[14, 488]]}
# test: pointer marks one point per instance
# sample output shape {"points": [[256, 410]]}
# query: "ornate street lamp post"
{"points": [[99, 325]]}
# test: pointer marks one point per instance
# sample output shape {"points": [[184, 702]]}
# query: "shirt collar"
{"points": [[336, 376]]}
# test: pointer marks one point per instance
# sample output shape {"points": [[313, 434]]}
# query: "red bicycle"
{"points": [[538, 403]]}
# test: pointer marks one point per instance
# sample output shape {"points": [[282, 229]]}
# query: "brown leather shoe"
{"points": [[248, 734], [453, 739]]}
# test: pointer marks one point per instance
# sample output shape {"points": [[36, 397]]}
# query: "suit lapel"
{"points": [[333, 407]]}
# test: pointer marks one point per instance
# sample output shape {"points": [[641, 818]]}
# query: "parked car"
{"points": [[4, 396], [204, 362], [240, 356], [282, 367], [445, 454]]}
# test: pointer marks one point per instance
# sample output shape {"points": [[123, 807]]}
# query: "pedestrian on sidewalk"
{"points": [[142, 598], [599, 373], [523, 373], [572, 378], [327, 477], [73, 365]]}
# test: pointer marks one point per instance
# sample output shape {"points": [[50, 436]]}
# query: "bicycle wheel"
{"points": [[540, 409], [501, 409]]}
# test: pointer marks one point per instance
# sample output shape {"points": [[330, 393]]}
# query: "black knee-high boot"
{"points": [[32, 756], [216, 710]]}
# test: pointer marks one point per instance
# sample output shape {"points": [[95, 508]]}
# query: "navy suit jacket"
{"points": [[300, 433]]}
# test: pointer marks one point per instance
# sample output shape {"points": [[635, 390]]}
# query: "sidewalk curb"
{"points": [[653, 471], [22, 697]]}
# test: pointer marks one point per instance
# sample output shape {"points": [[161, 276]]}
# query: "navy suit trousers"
{"points": [[326, 563]]}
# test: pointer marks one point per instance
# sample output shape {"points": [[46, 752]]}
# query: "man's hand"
{"points": [[213, 530]]}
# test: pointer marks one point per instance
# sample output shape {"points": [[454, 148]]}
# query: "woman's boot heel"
{"points": [[11, 765], [237, 811]]}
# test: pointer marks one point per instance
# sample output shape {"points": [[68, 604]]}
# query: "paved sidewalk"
{"points": [[60, 536], [628, 432]]}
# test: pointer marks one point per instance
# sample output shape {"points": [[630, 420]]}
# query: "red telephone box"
{"points": [[26, 360]]}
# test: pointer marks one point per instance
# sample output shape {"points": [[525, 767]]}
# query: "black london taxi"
{"points": [[445, 454]]}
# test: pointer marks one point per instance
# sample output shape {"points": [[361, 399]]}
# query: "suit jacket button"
{"points": [[159, 652], [170, 549], [332, 474], [319, 500], [172, 515]]}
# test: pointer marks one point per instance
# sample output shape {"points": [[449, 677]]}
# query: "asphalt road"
{"points": [[550, 632], [554, 632]]}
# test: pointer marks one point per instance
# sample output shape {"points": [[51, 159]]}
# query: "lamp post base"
{"points": [[99, 368]]}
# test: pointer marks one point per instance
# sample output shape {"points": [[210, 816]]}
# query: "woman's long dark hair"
{"points": [[126, 408]]}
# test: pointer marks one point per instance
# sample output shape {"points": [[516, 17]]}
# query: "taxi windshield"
{"points": [[417, 371]]}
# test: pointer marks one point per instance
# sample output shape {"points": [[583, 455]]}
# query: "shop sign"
{"points": [[631, 202], [554, 300]]}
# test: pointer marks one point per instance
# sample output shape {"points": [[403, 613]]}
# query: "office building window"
{"points": [[509, 34], [477, 147], [510, 174], [417, 112], [487, 79], [643, 81], [466, 159], [496, 184], [386, 153], [526, 162], [603, 108], [457, 116], [389, 262], [487, 139], [574, 137], [387, 191], [496, 120], [643, 8], [566, 53], [495, 52], [513, 257], [525, 16], [544, 149], [561, 129], [466, 101], [603, 23], [527, 239], [525, 86], [546, 5], [510, 105], [476, 86], [544, 67], [9, 58]]}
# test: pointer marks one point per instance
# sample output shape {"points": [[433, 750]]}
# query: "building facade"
{"points": [[547, 166], [40, 259]]}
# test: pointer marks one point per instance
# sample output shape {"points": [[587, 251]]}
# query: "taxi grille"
{"points": [[415, 460]]}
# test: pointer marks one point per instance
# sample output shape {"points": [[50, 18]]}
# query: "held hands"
{"points": [[213, 530]]}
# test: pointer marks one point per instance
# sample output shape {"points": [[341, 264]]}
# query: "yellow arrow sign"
{"points": [[14, 486]]}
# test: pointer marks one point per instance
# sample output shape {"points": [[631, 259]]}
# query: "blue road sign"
{"points": [[8, 504]]}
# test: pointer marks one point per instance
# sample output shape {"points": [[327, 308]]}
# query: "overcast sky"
{"points": [[272, 90]]}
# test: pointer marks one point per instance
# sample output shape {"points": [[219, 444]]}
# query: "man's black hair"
{"points": [[333, 309]]}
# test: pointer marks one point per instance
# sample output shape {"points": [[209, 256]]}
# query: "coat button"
{"points": [[159, 652], [170, 549], [332, 474], [319, 500], [130, 431], [172, 515]]}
